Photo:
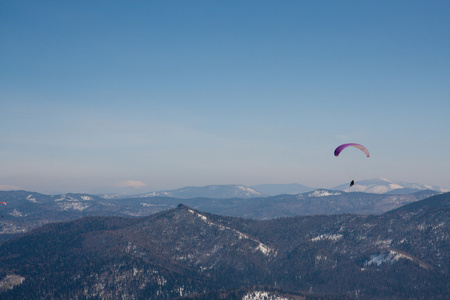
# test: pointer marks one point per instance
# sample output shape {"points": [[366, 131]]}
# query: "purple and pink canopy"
{"points": [[339, 149]]}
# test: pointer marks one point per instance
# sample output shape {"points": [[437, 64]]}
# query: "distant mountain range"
{"points": [[184, 253], [224, 191], [27, 210], [375, 186], [210, 191]]}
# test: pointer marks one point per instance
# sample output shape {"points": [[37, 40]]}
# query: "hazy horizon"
{"points": [[137, 190], [158, 95]]}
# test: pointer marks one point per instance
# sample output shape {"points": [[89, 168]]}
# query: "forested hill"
{"points": [[185, 252]]}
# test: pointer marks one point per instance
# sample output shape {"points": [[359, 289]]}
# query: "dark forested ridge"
{"points": [[28, 210], [184, 252]]}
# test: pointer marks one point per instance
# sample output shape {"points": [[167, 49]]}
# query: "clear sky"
{"points": [[96, 95]]}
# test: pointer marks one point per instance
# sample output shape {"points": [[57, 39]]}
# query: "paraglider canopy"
{"points": [[339, 149], [3, 203]]}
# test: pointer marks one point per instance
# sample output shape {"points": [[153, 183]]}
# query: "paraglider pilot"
{"points": [[352, 183]]}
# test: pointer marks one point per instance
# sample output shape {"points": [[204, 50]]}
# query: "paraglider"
{"points": [[340, 148], [3, 203]]}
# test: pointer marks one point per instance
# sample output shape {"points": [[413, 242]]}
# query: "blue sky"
{"points": [[97, 95]]}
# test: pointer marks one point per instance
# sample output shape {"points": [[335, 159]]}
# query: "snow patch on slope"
{"points": [[392, 257], [31, 199], [10, 281], [73, 206], [10, 228], [323, 193], [264, 249], [258, 295], [16, 213], [327, 236]]}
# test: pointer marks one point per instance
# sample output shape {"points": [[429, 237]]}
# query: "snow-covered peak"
{"points": [[383, 185]]}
